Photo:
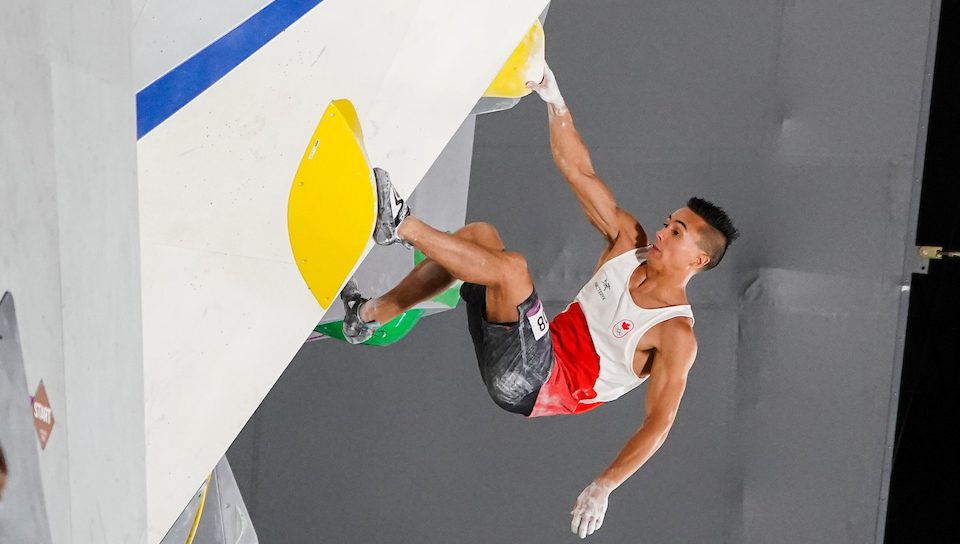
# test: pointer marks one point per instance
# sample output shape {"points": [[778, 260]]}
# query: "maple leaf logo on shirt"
{"points": [[622, 328]]}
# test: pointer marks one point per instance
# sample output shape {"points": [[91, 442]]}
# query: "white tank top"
{"points": [[617, 323], [595, 339]]}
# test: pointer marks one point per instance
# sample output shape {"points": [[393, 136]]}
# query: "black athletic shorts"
{"points": [[514, 363]]}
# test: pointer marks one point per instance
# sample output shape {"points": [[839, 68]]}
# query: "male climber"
{"points": [[630, 323]]}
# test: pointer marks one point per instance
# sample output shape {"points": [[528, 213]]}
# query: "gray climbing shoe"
{"points": [[391, 211], [355, 330]]}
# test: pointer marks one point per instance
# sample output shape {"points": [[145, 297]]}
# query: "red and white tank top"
{"points": [[595, 339]]}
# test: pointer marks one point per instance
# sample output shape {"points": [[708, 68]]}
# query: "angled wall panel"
{"points": [[224, 306]]}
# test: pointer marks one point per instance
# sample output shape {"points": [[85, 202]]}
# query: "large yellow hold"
{"points": [[332, 205], [526, 63]]}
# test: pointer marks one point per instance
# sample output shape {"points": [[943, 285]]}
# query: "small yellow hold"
{"points": [[526, 63]]}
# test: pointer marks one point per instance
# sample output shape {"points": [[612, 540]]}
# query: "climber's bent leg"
{"points": [[504, 273], [427, 279], [507, 322]]}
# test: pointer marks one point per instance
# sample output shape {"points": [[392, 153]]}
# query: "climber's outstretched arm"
{"points": [[668, 379], [573, 160]]}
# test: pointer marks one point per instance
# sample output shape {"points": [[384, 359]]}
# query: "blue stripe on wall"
{"points": [[176, 88]]}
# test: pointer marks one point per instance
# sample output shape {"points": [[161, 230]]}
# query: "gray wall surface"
{"points": [[23, 511], [800, 118], [69, 254]]}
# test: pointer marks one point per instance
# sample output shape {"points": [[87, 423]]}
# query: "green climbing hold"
{"points": [[388, 333], [398, 327]]}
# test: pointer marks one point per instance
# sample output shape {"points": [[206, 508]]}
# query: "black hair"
{"points": [[720, 233], [3, 462]]}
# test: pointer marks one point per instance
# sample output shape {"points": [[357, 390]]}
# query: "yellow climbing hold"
{"points": [[526, 63], [332, 205]]}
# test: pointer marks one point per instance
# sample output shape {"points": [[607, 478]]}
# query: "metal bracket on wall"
{"points": [[934, 252], [926, 253]]}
